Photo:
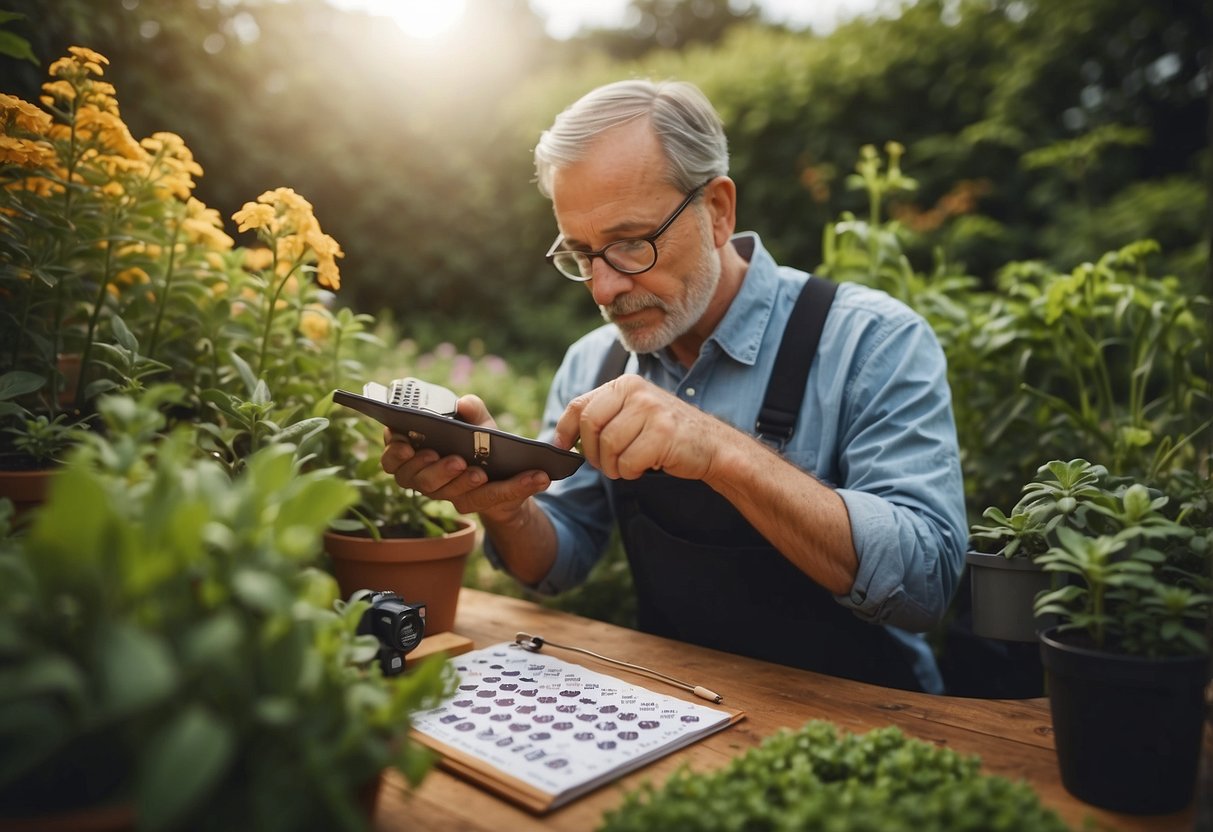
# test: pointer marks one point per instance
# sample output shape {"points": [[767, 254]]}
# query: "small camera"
{"points": [[398, 625]]}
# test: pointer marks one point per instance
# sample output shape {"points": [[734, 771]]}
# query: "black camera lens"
{"points": [[398, 625]]}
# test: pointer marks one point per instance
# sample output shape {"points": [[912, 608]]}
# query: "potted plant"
{"points": [[93, 227], [395, 538], [31, 444], [168, 651], [1128, 662], [1004, 573]]}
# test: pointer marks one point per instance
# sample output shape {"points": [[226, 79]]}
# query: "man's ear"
{"points": [[720, 198]]}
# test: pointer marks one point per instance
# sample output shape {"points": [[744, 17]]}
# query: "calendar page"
{"points": [[558, 727]]}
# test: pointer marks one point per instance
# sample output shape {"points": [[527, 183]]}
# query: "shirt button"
{"points": [[858, 596], [690, 391]]}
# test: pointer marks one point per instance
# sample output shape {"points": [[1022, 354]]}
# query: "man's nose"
{"points": [[606, 283]]}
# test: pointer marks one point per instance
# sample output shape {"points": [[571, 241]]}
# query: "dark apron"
{"points": [[704, 575]]}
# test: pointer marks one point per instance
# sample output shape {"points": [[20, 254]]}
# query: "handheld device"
{"points": [[414, 393], [424, 414]]}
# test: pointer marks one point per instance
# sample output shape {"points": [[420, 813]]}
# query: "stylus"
{"points": [[534, 643]]}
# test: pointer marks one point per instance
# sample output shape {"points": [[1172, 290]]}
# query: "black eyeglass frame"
{"points": [[651, 239]]}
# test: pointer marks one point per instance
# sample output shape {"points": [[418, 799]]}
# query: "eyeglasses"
{"points": [[634, 255]]}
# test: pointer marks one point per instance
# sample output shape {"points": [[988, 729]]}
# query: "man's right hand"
{"points": [[450, 478]]}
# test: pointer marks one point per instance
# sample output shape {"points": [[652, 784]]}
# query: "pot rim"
{"points": [[1049, 638], [466, 526], [995, 561]]}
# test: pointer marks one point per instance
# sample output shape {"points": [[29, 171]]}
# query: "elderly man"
{"points": [[778, 452]]}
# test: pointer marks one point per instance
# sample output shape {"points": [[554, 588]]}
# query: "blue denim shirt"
{"points": [[876, 425]]}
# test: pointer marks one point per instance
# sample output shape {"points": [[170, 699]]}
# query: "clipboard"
{"points": [[497, 733]]}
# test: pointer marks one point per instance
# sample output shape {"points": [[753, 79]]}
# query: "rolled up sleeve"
{"points": [[901, 481]]}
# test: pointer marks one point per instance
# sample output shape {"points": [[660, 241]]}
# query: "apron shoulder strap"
{"points": [[785, 388], [613, 363]]}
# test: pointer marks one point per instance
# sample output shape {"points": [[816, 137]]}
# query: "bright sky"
{"points": [[565, 17], [430, 18]]}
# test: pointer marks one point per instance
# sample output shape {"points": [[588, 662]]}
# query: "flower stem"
{"points": [[98, 305], [168, 285], [269, 313]]}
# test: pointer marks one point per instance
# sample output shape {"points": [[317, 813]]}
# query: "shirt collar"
{"points": [[740, 333]]}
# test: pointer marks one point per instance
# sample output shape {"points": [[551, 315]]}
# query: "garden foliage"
{"points": [[1037, 131], [819, 778]]}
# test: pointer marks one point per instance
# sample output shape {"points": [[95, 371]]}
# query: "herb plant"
{"points": [[1139, 584], [818, 778], [1062, 494], [166, 643]]}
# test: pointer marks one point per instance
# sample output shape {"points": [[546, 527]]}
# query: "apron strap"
{"points": [[785, 388], [613, 364]]}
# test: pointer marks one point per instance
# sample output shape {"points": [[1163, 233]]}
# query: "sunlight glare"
{"points": [[420, 19]]}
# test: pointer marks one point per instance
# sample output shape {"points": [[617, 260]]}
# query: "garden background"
{"points": [[985, 161]]}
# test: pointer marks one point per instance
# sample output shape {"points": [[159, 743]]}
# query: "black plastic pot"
{"points": [[1004, 591], [1127, 729]]}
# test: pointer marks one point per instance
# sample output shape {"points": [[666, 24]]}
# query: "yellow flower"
{"points": [[131, 277], [38, 185], [174, 160], [86, 55], [314, 323], [254, 215], [257, 259], [290, 248], [60, 89], [323, 244], [327, 274], [205, 225], [23, 115], [25, 152], [205, 233]]}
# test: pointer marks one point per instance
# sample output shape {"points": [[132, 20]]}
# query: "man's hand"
{"points": [[629, 426], [451, 478]]}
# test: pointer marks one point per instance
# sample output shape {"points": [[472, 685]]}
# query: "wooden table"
{"points": [[1013, 737]]}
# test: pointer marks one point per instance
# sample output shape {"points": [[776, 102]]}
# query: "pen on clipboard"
{"points": [[535, 643]]}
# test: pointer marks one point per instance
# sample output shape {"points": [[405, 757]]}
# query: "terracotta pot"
{"points": [[120, 818], [425, 570], [68, 365], [27, 489]]}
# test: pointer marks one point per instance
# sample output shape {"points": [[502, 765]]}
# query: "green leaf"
{"points": [[18, 383], [182, 764], [137, 670], [15, 46], [246, 372], [301, 430], [123, 334]]}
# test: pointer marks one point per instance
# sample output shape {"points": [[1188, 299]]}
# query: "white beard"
{"points": [[678, 317]]}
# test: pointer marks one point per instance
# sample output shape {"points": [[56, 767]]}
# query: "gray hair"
{"points": [[689, 129]]}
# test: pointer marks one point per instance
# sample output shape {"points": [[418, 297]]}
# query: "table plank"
{"points": [[1013, 737]]}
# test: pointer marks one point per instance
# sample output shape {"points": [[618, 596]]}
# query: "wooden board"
{"points": [[448, 643]]}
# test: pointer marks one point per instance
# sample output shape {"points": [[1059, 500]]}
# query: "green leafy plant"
{"points": [[34, 440], [819, 778], [166, 643], [1138, 583], [1062, 494]]}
